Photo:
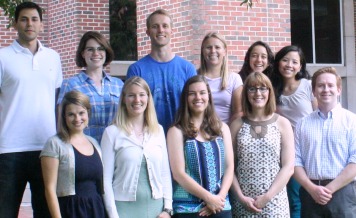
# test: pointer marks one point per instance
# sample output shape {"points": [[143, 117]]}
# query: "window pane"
{"points": [[123, 37], [327, 31], [301, 27]]}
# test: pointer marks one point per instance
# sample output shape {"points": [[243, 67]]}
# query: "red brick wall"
{"points": [[64, 24], [269, 22], [66, 21]]}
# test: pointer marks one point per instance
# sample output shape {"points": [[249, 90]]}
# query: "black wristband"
{"points": [[169, 211]]}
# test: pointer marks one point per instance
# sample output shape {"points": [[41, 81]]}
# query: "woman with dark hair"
{"points": [[225, 86], [200, 155], [258, 58], [295, 100], [71, 164], [137, 179], [264, 153], [94, 53]]}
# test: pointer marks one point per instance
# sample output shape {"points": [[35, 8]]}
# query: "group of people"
{"points": [[171, 140]]}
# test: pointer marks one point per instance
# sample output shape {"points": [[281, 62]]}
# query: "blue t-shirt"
{"points": [[166, 81]]}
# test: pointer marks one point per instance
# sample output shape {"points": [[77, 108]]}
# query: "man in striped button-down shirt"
{"points": [[326, 152]]}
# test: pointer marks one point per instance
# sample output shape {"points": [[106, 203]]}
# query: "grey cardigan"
{"points": [[64, 152]]}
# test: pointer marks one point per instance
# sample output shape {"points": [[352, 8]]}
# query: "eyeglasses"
{"points": [[262, 89], [92, 49]]}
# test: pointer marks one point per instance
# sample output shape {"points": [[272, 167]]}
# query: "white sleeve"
{"points": [[166, 174], [108, 152]]}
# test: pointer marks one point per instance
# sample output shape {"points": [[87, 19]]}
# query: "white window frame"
{"points": [[341, 37]]}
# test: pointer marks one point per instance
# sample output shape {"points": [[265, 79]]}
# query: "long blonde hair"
{"points": [[122, 119], [224, 74]]}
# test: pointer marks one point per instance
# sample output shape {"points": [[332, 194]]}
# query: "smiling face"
{"points": [[198, 97], [258, 59], [136, 100], [290, 65], [159, 30], [94, 54], [28, 25], [214, 51], [326, 91], [76, 118], [258, 96]]}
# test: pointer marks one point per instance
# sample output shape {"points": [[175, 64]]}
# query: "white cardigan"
{"points": [[122, 158]]}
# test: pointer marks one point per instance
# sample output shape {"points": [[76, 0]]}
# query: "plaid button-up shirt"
{"points": [[104, 102]]}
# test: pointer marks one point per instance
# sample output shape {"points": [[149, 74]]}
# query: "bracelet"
{"points": [[169, 211]]}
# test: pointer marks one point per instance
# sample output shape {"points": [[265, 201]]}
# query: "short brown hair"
{"points": [[330, 70], [158, 11], [80, 61], [258, 79], [73, 97]]}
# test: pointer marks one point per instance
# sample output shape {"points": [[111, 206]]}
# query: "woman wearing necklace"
{"points": [[264, 153], [71, 164], [200, 154], [137, 179], [94, 53]]}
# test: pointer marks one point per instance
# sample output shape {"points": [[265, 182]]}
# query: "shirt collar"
{"points": [[18, 48], [333, 112], [83, 76]]}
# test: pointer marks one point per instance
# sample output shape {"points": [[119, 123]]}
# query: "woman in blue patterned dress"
{"points": [[264, 153], [200, 154]]}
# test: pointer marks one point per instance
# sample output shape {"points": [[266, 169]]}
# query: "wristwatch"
{"points": [[169, 211]]}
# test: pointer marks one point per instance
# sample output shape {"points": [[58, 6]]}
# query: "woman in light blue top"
{"points": [[200, 154], [295, 100]]}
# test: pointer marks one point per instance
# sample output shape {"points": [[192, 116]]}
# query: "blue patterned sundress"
{"points": [[205, 163]]}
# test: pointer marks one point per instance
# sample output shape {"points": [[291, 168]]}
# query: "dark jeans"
{"points": [[16, 169], [341, 205], [293, 197], [222, 214]]}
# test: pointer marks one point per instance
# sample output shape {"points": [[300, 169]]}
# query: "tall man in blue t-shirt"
{"points": [[165, 72]]}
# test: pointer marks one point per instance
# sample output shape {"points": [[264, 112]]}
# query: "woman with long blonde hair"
{"points": [[225, 86], [137, 179]]}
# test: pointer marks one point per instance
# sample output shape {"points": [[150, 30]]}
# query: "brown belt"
{"points": [[321, 182]]}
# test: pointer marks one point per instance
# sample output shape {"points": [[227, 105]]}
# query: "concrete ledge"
{"points": [[119, 68]]}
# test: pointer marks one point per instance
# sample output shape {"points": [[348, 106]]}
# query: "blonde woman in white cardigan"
{"points": [[137, 178]]}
